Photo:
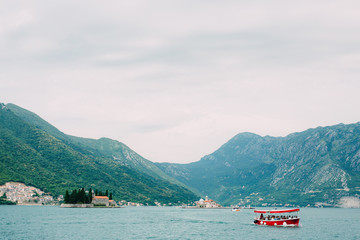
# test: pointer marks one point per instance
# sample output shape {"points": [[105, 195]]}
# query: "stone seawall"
{"points": [[66, 205]]}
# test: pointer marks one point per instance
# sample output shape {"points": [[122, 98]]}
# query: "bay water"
{"points": [[53, 222]]}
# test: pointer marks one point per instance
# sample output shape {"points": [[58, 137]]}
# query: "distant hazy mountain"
{"points": [[317, 165], [36, 153]]}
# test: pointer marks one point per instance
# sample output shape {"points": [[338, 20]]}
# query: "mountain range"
{"points": [[36, 153], [316, 167]]}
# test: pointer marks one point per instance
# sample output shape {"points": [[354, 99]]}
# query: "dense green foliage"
{"points": [[318, 165], [53, 162], [78, 196], [103, 147]]}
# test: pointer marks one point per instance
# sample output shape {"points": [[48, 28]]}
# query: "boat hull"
{"points": [[282, 222]]}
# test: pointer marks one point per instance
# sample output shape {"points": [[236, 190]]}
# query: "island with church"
{"points": [[79, 198], [205, 204]]}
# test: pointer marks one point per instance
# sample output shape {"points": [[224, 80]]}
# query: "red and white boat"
{"points": [[283, 217]]}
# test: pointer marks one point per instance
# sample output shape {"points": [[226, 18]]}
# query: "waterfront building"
{"points": [[112, 203], [101, 200]]}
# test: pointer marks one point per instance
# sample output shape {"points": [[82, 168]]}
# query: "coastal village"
{"points": [[25, 195], [22, 194]]}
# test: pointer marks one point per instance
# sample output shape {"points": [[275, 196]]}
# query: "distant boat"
{"points": [[235, 209], [282, 217]]}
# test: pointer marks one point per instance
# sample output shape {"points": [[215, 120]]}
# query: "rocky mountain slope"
{"points": [[316, 167], [36, 153]]}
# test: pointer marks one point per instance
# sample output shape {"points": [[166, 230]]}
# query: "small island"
{"points": [[79, 198], [207, 203]]}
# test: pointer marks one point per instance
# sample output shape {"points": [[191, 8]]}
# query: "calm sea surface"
{"points": [[36, 222]]}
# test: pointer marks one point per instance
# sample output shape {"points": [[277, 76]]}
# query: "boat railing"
{"points": [[277, 218]]}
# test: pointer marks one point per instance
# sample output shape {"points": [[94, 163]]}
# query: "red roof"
{"points": [[101, 197], [277, 211]]}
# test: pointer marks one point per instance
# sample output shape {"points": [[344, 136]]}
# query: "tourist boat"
{"points": [[283, 217]]}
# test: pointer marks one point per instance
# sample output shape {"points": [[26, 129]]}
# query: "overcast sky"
{"points": [[174, 80]]}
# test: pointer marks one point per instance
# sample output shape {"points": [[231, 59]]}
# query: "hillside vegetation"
{"points": [[36, 153]]}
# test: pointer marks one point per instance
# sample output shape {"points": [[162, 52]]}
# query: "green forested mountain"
{"points": [[317, 165], [36, 153], [103, 147]]}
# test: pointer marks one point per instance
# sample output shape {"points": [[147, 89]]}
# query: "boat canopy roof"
{"points": [[277, 211]]}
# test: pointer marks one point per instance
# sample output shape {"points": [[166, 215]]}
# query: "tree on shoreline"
{"points": [[67, 197], [79, 196], [90, 196]]}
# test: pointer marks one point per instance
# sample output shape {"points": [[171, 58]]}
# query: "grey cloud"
{"points": [[181, 76]]}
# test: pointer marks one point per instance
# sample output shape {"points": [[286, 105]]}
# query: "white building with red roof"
{"points": [[100, 201]]}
